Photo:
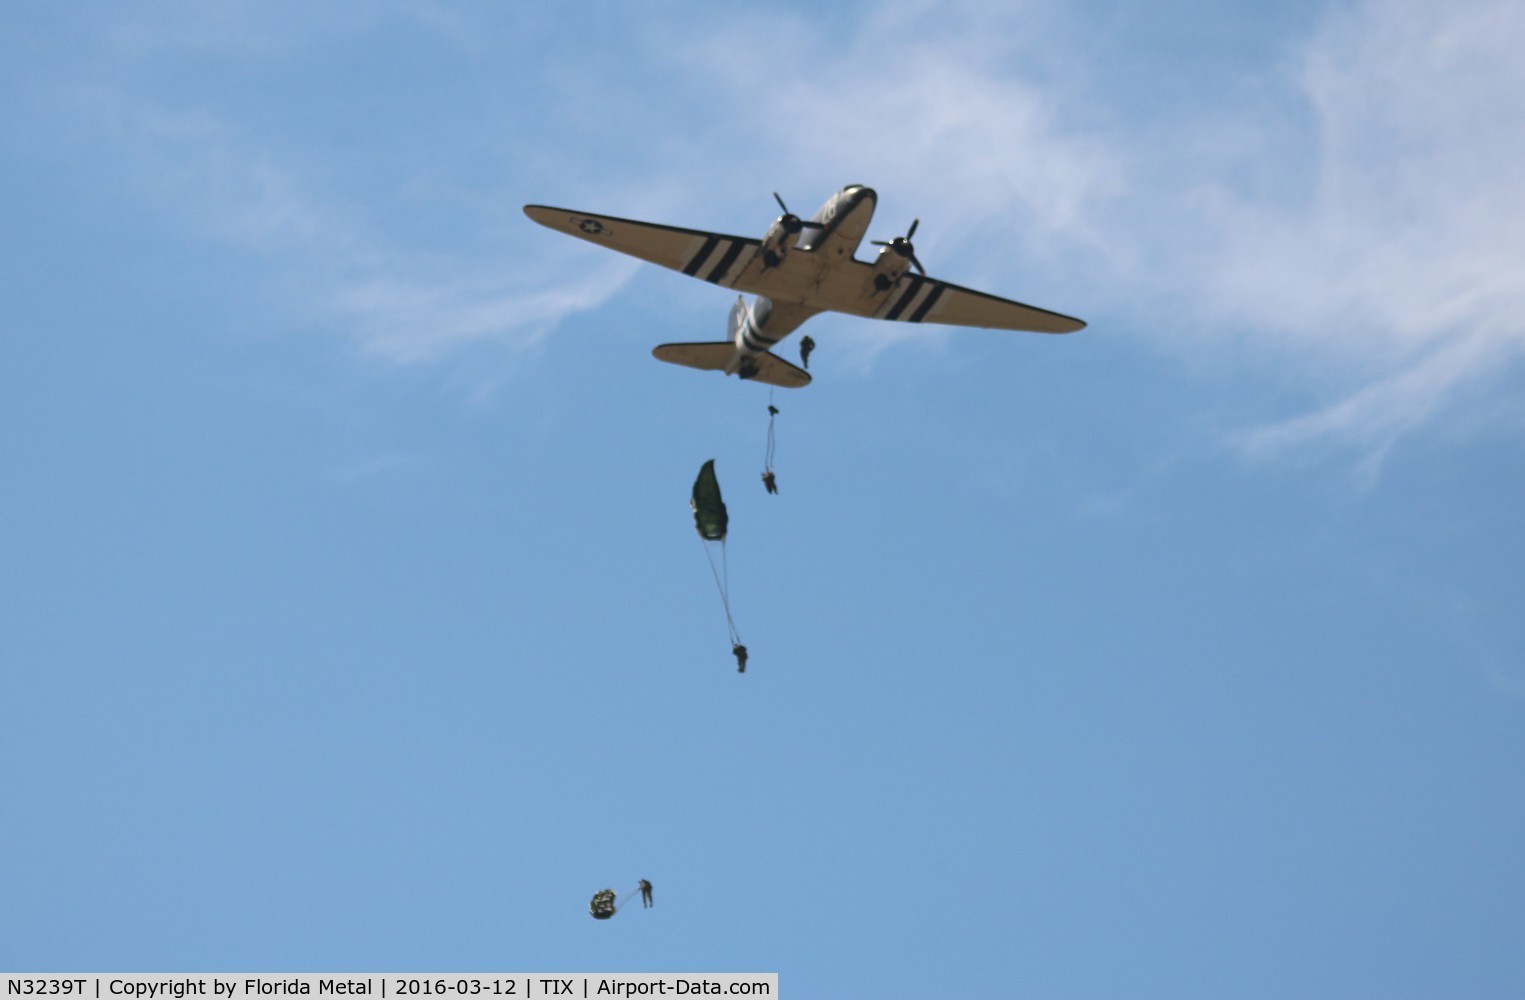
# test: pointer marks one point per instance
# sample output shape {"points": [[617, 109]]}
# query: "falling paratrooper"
{"points": [[711, 521]]}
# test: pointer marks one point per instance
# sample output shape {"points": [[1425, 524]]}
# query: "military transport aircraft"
{"points": [[796, 270]]}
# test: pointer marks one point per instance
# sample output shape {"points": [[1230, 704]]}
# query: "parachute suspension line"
{"points": [[723, 584], [772, 413], [725, 570]]}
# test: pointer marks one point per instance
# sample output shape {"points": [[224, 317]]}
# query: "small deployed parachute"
{"points": [[769, 477], [602, 906], [711, 521]]}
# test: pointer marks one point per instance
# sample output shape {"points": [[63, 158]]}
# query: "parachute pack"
{"points": [[602, 907]]}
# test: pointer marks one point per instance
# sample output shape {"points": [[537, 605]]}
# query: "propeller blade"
{"points": [[902, 246], [780, 203]]}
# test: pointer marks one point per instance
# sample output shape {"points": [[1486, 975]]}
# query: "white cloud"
{"points": [[1378, 413], [929, 105], [1400, 272], [407, 322]]}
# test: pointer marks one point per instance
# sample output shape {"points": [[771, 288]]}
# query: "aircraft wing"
{"points": [[736, 262], [713, 257], [916, 299]]}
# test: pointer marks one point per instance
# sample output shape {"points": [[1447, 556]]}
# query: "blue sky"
{"points": [[351, 614]]}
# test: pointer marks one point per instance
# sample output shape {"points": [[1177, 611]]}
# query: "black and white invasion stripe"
{"points": [[752, 338], [911, 300], [717, 257]]}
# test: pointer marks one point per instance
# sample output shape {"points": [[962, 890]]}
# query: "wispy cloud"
{"points": [[403, 303], [1376, 415], [1400, 270], [329, 251], [408, 321]]}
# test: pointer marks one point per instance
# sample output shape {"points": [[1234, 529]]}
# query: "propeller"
{"points": [[902, 246], [793, 223]]}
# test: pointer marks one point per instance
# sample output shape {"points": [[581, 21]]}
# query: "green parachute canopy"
{"points": [[709, 510]]}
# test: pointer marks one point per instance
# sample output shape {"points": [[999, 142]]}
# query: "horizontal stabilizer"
{"points": [[770, 369], [713, 356], [774, 370]]}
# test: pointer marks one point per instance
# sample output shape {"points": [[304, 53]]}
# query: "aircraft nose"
{"points": [[858, 192]]}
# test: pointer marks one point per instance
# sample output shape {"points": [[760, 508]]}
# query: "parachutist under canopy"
{"points": [[740, 652], [645, 894], [710, 519], [769, 482]]}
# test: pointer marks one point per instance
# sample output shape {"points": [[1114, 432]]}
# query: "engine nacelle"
{"points": [[780, 238], [889, 268]]}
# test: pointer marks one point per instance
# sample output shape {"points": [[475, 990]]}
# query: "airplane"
{"points": [[796, 270]]}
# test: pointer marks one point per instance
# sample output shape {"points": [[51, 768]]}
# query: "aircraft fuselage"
{"points": [[833, 236]]}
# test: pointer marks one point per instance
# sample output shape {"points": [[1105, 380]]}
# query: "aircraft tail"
{"points": [[769, 369], [774, 370]]}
